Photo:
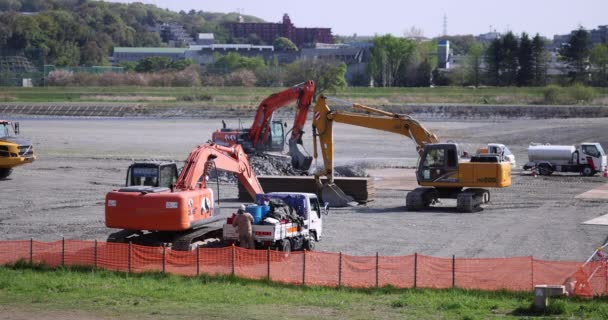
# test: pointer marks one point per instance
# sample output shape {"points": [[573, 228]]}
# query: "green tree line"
{"points": [[82, 32]]}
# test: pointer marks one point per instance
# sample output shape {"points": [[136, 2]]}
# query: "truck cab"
{"points": [[499, 149]]}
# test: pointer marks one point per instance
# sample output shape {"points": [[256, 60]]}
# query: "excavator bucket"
{"points": [[332, 194], [300, 159]]}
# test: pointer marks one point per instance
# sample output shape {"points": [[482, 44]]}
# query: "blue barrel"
{"points": [[258, 212]]}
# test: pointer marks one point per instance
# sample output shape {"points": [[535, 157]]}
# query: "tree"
{"points": [[389, 56], [327, 75], [525, 74], [284, 44], [474, 58], [233, 61], [510, 64], [576, 54], [599, 61], [152, 64], [181, 64], [494, 60], [540, 59]]}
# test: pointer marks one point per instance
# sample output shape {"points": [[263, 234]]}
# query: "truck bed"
{"points": [[264, 232]]}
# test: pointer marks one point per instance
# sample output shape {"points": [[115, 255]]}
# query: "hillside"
{"points": [[82, 32]]}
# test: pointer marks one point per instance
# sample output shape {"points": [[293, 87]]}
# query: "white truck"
{"points": [[285, 235], [588, 158], [499, 149]]}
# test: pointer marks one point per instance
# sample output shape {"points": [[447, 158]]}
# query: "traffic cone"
{"points": [[606, 173], [534, 172]]}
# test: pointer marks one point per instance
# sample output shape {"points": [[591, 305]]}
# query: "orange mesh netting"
{"points": [[319, 268]]}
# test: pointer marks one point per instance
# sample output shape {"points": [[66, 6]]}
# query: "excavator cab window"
{"points": [[142, 175], [277, 136], [437, 162], [168, 175]]}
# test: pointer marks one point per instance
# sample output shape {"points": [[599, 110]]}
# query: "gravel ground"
{"points": [[79, 160]]}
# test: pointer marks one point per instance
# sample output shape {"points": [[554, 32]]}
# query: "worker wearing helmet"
{"points": [[243, 223]]}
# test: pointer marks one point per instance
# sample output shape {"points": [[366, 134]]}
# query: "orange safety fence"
{"points": [[318, 268]]}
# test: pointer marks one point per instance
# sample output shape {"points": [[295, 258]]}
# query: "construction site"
{"points": [[81, 159]]}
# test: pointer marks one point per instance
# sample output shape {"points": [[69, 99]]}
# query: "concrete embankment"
{"points": [[437, 111]]}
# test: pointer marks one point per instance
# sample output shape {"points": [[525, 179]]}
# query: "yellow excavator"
{"points": [[442, 172], [14, 151]]}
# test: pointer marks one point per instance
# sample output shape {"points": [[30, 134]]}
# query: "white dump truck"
{"points": [[297, 230], [588, 158]]}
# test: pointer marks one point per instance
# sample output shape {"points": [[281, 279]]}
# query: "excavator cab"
{"points": [[438, 163], [277, 136], [152, 174]]}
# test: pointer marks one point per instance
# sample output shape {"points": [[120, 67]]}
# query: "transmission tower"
{"points": [[445, 25]]}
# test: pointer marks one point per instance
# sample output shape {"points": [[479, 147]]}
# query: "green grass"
{"points": [[118, 295], [251, 97]]}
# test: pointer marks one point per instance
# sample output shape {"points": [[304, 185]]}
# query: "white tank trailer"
{"points": [[587, 159]]}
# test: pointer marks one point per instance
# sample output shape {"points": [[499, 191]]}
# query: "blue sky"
{"points": [[547, 17]]}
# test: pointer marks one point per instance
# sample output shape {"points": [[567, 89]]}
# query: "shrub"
{"points": [[581, 93], [241, 78], [60, 78], [213, 80], [551, 94], [111, 79], [85, 79], [189, 77]]}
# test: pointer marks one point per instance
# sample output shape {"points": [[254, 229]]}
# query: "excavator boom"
{"points": [[302, 93], [267, 135]]}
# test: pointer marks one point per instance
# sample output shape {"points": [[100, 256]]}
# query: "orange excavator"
{"points": [[150, 213], [266, 134]]}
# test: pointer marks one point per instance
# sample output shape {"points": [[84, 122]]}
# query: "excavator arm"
{"points": [[231, 159], [324, 118], [303, 93]]}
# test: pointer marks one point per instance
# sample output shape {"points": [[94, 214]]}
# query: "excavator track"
{"points": [[418, 199], [186, 241], [470, 200]]}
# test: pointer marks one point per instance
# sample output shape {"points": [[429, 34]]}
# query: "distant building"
{"points": [[174, 34], [202, 54], [355, 55], [268, 32], [599, 35], [205, 39], [443, 54], [135, 54], [488, 37]]}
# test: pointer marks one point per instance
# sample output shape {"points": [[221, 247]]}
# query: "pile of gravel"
{"points": [[265, 165]]}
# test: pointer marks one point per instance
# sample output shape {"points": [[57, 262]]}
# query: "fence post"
{"points": [[376, 269], [62, 251], [532, 270], [198, 261], [415, 269], [233, 253], [304, 267], [268, 263], [31, 250], [95, 255], [164, 258], [453, 271], [129, 258], [340, 270]]}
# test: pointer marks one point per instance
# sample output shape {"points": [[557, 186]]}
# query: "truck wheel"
{"points": [[309, 244], [545, 169], [4, 173], [587, 171]]}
